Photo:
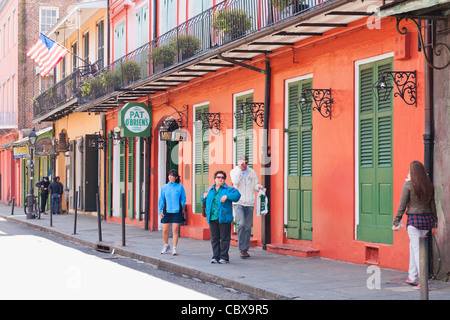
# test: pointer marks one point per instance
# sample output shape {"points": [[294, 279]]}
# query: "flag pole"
{"points": [[85, 61]]}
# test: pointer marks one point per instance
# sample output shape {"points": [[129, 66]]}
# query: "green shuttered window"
{"points": [[299, 165], [244, 130], [201, 158], [375, 158]]}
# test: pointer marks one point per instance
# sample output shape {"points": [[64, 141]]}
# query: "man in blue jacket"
{"points": [[56, 189], [219, 214]]}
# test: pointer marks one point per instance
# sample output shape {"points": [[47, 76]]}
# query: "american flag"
{"points": [[46, 53]]}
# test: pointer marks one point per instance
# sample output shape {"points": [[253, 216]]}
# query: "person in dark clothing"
{"points": [[43, 185], [56, 188]]}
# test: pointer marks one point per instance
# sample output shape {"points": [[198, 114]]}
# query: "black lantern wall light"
{"points": [[116, 137], [405, 83], [61, 144], [321, 98]]}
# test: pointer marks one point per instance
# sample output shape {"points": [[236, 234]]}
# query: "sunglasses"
{"points": [[220, 177]]}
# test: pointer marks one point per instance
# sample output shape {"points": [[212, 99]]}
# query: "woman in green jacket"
{"points": [[219, 214]]}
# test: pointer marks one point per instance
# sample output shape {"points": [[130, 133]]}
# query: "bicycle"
{"points": [[34, 210], [436, 258]]}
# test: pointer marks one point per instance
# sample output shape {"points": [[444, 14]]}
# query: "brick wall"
{"points": [[28, 86]]}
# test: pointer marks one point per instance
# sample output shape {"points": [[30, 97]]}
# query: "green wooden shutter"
{"points": [[122, 175], [130, 187], [375, 158], [201, 159], [109, 173], [119, 41], [244, 130], [299, 165], [140, 177]]}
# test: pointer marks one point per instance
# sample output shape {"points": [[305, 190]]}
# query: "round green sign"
{"points": [[135, 120]]}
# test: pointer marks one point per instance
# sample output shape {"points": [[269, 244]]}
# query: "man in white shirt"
{"points": [[246, 181]]}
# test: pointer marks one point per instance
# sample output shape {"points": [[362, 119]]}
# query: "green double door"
{"points": [[375, 182], [299, 165]]}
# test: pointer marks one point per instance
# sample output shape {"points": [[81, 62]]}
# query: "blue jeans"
{"points": [[244, 221], [55, 203]]}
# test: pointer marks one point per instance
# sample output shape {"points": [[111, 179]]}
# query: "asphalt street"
{"points": [[265, 275], [37, 264]]}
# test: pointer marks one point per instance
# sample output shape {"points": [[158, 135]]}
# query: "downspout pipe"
{"points": [[428, 137], [266, 176], [266, 156]]}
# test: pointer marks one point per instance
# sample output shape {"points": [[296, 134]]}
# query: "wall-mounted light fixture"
{"points": [[100, 142], [116, 137], [255, 110], [61, 144], [405, 82], [210, 121], [322, 101]]}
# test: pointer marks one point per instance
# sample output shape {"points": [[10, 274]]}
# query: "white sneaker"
{"points": [[165, 248], [174, 251]]}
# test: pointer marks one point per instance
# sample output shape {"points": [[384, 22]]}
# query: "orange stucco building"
{"points": [[295, 88], [335, 201]]}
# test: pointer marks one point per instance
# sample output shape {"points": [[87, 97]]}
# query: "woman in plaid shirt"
{"points": [[418, 200]]}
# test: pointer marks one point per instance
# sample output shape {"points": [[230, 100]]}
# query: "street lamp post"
{"points": [[31, 141]]}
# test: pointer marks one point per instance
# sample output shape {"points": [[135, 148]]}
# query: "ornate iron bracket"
{"points": [[436, 48], [101, 143], [405, 82], [211, 121], [322, 101], [181, 117], [254, 110]]}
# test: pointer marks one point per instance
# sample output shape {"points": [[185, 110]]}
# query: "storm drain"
{"points": [[102, 248]]}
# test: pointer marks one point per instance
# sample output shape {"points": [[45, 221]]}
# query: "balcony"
{"points": [[243, 29], [61, 93]]}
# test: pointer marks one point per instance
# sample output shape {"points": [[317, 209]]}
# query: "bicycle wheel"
{"points": [[37, 212], [436, 257]]}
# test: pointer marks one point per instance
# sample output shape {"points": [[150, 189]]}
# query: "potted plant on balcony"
{"points": [[232, 23], [92, 88], [130, 71], [162, 56], [186, 45], [288, 7], [111, 80]]}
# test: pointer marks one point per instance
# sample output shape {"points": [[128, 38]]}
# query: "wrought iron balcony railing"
{"points": [[62, 92], [217, 26]]}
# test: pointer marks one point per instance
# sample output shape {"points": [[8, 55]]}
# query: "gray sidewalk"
{"points": [[265, 275]]}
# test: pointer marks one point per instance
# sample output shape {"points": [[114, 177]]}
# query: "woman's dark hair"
{"points": [[174, 173], [222, 172], [422, 186]]}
